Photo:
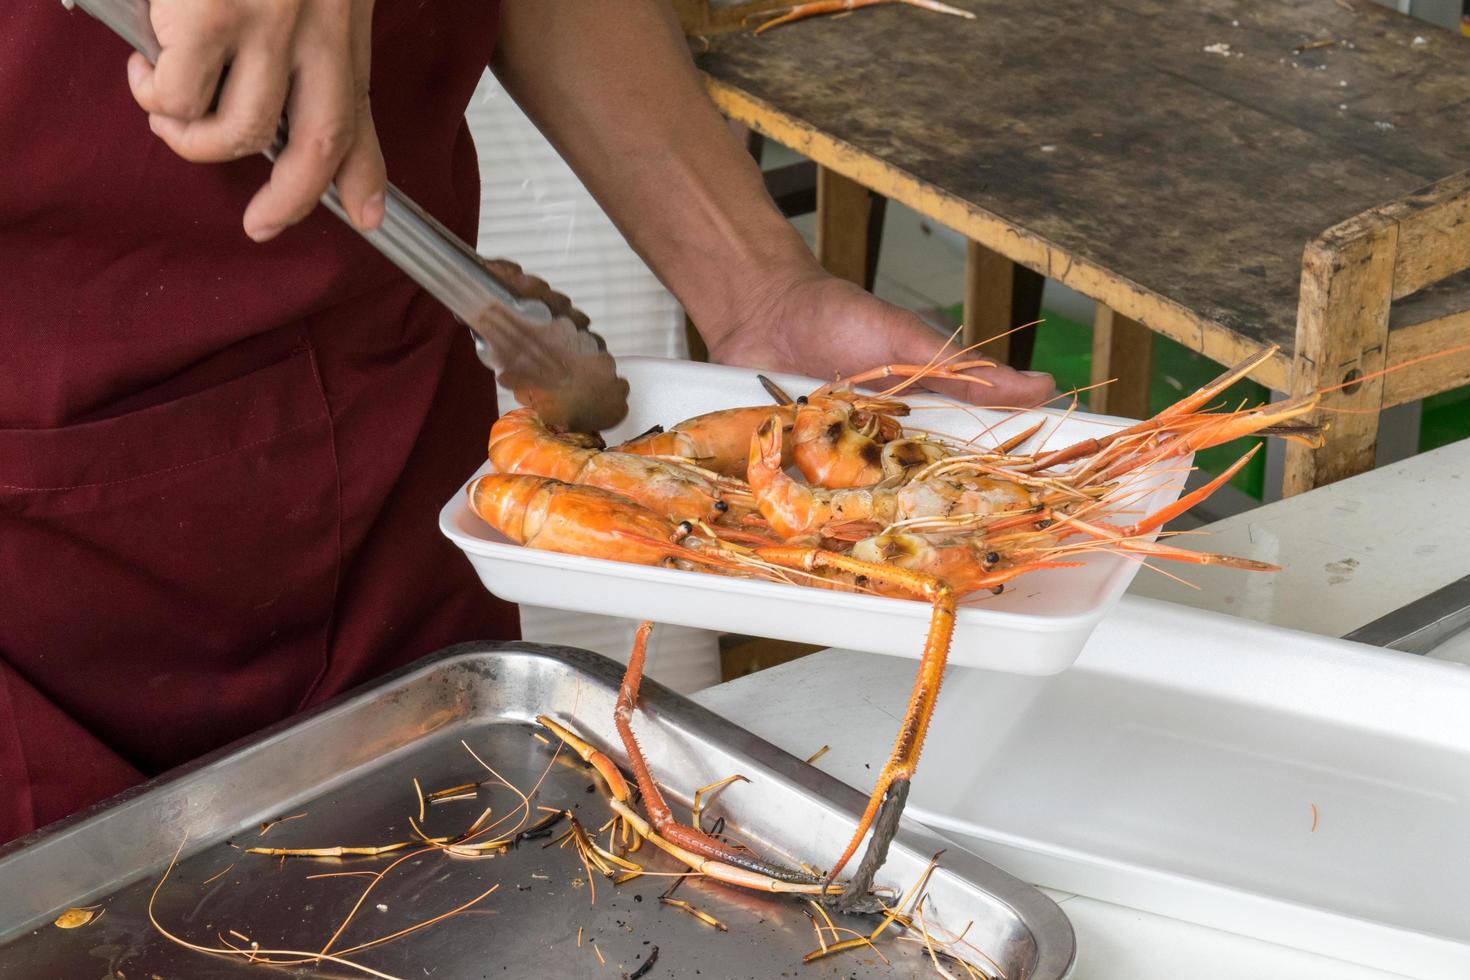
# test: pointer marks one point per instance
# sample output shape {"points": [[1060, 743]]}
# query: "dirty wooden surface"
{"points": [[1100, 142]]}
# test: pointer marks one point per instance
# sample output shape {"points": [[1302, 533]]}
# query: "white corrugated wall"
{"points": [[535, 211]]}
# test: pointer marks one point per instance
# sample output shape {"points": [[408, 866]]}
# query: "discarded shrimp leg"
{"points": [[606, 768], [660, 815], [711, 789], [886, 803], [814, 8], [719, 870], [701, 853]]}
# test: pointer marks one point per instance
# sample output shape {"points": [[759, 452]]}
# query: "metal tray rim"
{"points": [[1056, 954]]}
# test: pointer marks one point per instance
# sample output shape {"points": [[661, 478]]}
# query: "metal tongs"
{"points": [[532, 337], [1423, 624]]}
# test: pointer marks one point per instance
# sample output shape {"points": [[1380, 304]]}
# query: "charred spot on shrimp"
{"points": [[908, 453], [584, 440]]}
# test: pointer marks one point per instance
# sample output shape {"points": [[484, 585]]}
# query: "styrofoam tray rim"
{"points": [[909, 608], [1016, 634]]}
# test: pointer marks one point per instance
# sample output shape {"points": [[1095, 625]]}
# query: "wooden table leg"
{"points": [[989, 292], [842, 226], [1342, 333], [1026, 291], [999, 296], [1122, 350]]}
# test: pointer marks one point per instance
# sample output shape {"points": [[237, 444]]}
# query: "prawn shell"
{"points": [[660, 486], [550, 515], [717, 441], [521, 443]]}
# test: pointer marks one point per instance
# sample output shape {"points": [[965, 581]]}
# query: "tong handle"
{"points": [[431, 255]]}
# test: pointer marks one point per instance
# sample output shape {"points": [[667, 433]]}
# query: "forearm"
{"points": [[611, 85]]}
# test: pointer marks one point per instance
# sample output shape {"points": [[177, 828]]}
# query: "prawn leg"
{"points": [[1219, 431], [1187, 501], [693, 847], [1185, 406], [890, 793], [662, 818]]}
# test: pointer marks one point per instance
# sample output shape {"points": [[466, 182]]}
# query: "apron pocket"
{"points": [[170, 573]]}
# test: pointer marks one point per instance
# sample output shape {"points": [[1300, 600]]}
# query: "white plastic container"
{"points": [[1298, 789], [1038, 626]]}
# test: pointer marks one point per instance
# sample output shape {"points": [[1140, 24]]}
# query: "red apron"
{"points": [[221, 463]]}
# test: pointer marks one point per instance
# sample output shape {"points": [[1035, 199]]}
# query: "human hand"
{"points": [[308, 57], [821, 326]]}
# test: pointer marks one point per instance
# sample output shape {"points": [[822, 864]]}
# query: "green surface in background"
{"points": [[1446, 419], [1064, 348]]}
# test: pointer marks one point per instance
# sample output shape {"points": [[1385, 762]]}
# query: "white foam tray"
{"points": [[1174, 769], [1038, 626]]}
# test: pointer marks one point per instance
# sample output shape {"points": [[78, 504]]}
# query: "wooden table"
{"points": [[1180, 163]]}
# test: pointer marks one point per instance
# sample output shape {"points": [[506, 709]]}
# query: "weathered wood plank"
{"points": [[1342, 334], [1098, 141], [1430, 377], [1434, 234], [1161, 314]]}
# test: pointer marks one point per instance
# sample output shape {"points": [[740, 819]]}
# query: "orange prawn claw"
{"points": [[612, 776]]}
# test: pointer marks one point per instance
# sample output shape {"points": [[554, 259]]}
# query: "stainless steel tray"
{"points": [[349, 768]]}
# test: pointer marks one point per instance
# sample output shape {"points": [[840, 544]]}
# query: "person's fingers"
{"points": [[1002, 385], [916, 342], [321, 117], [249, 107], [195, 41], [183, 83], [362, 177]]}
